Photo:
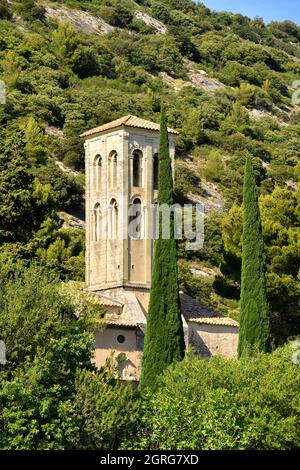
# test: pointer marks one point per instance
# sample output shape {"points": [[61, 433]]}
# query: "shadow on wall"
{"points": [[197, 342]]}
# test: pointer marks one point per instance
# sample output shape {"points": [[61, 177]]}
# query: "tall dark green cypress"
{"points": [[255, 310], [164, 338]]}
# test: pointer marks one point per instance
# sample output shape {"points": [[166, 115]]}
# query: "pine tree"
{"points": [[164, 339], [255, 311]]}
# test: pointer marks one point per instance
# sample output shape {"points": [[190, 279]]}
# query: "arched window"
{"points": [[97, 172], [137, 168], [113, 162], [114, 219], [97, 222], [155, 171], [135, 219]]}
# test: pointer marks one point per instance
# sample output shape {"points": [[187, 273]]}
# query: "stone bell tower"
{"points": [[121, 186]]}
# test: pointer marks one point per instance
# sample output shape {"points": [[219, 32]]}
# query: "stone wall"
{"points": [[117, 262], [128, 354], [211, 340]]}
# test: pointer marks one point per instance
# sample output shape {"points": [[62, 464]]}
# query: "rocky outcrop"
{"points": [[211, 200], [82, 20], [73, 221], [196, 79], [157, 25]]}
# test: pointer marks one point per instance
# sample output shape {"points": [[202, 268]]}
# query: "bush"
{"points": [[187, 180], [32, 310], [67, 189], [29, 10], [5, 13], [224, 404]]}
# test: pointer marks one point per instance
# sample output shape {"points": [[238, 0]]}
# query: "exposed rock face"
{"points": [[71, 221], [55, 132], [197, 79], [212, 199], [65, 169], [200, 79], [206, 272], [281, 115], [81, 20], [159, 27]]}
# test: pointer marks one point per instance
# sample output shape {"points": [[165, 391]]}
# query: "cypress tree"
{"points": [[164, 338], [255, 310]]}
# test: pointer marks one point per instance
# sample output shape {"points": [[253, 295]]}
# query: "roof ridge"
{"points": [[129, 120]]}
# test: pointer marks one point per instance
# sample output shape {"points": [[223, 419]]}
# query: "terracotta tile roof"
{"points": [[196, 312], [220, 321], [122, 323], [192, 308], [126, 121], [116, 323]]}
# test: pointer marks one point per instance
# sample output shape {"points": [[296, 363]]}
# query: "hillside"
{"points": [[227, 83]]}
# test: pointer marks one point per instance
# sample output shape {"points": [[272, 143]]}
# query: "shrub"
{"points": [[224, 404]]}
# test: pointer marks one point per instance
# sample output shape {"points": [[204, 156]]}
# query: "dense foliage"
{"points": [[52, 398], [164, 339], [61, 79], [50, 395], [223, 404], [255, 310], [226, 82]]}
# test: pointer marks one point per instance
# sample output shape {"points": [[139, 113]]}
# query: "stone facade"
{"points": [[121, 161], [117, 260], [210, 339]]}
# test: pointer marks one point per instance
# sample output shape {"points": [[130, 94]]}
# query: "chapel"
{"points": [[122, 171]]}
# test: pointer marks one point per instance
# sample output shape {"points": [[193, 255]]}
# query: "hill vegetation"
{"points": [[227, 84]]}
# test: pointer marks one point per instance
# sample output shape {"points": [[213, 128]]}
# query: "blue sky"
{"points": [[276, 10]]}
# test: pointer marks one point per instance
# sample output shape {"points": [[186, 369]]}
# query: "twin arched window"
{"points": [[100, 223], [137, 169], [113, 168]]}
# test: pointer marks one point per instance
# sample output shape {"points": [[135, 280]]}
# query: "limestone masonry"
{"points": [[121, 162]]}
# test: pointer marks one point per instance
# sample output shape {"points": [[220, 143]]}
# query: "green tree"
{"points": [[37, 404], [5, 13], [29, 10], [164, 340], [35, 147], [11, 66], [107, 409], [24, 202], [255, 310], [65, 42], [237, 120], [223, 404], [280, 223], [15, 190], [246, 94], [33, 310]]}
